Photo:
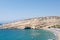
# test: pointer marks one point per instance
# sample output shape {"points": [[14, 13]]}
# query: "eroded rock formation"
{"points": [[35, 23]]}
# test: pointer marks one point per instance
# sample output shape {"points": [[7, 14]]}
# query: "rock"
{"points": [[34, 23]]}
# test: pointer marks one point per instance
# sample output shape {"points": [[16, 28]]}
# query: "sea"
{"points": [[26, 34]]}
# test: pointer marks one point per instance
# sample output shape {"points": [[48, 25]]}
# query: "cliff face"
{"points": [[39, 22]]}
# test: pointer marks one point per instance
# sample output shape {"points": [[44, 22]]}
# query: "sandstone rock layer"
{"points": [[35, 23]]}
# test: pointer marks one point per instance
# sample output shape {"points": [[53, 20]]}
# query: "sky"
{"points": [[12, 10]]}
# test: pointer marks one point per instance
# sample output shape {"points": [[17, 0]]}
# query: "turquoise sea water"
{"points": [[28, 34]]}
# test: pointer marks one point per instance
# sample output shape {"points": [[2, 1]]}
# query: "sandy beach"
{"points": [[56, 31]]}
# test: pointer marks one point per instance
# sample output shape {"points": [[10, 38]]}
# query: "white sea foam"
{"points": [[50, 39]]}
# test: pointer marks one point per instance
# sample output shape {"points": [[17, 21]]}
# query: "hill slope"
{"points": [[38, 22]]}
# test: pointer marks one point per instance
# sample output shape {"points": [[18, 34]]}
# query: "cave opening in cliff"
{"points": [[27, 28]]}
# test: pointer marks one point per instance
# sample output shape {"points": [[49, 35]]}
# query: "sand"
{"points": [[56, 31]]}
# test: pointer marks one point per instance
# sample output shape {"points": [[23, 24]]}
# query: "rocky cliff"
{"points": [[35, 23]]}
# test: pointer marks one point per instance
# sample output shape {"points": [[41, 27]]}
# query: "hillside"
{"points": [[35, 23]]}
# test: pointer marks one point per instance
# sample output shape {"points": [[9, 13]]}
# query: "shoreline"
{"points": [[56, 31]]}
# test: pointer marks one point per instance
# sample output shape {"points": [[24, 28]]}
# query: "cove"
{"points": [[28, 34]]}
